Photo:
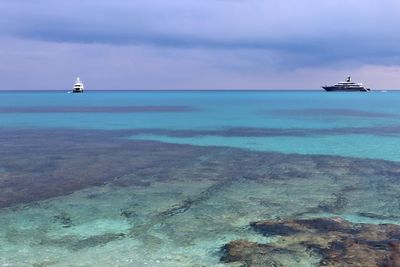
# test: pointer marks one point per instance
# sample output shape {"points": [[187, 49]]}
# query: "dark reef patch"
{"points": [[335, 242], [64, 219], [272, 132], [41, 164], [46, 163], [96, 109], [128, 214], [270, 229], [332, 112]]}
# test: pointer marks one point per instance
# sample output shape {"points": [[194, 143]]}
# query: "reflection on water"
{"points": [[72, 197]]}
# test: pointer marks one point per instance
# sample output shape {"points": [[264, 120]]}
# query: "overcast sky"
{"points": [[198, 44]]}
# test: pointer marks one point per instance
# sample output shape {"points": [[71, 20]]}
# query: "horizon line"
{"points": [[180, 90]]}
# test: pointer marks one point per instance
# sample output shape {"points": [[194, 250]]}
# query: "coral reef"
{"points": [[109, 159], [334, 241]]}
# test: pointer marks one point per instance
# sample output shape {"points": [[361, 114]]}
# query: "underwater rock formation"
{"points": [[334, 241], [74, 243]]}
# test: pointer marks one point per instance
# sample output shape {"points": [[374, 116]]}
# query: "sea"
{"points": [[167, 178]]}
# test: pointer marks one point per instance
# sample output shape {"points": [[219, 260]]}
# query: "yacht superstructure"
{"points": [[78, 86]]}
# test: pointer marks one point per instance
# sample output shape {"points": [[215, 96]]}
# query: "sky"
{"points": [[198, 44]]}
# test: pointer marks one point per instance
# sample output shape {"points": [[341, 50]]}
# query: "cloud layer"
{"points": [[257, 38]]}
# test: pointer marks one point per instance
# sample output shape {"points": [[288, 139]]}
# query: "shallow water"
{"points": [[168, 178]]}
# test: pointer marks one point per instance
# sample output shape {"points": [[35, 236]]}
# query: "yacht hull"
{"points": [[345, 89]]}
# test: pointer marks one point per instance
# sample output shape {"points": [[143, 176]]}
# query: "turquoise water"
{"points": [[166, 178], [357, 125]]}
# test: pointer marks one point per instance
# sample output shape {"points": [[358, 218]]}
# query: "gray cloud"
{"points": [[303, 31], [198, 44]]}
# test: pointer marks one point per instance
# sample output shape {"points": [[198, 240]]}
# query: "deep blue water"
{"points": [[166, 178]]}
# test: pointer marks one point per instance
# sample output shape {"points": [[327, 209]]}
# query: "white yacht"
{"points": [[347, 86], [78, 86]]}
